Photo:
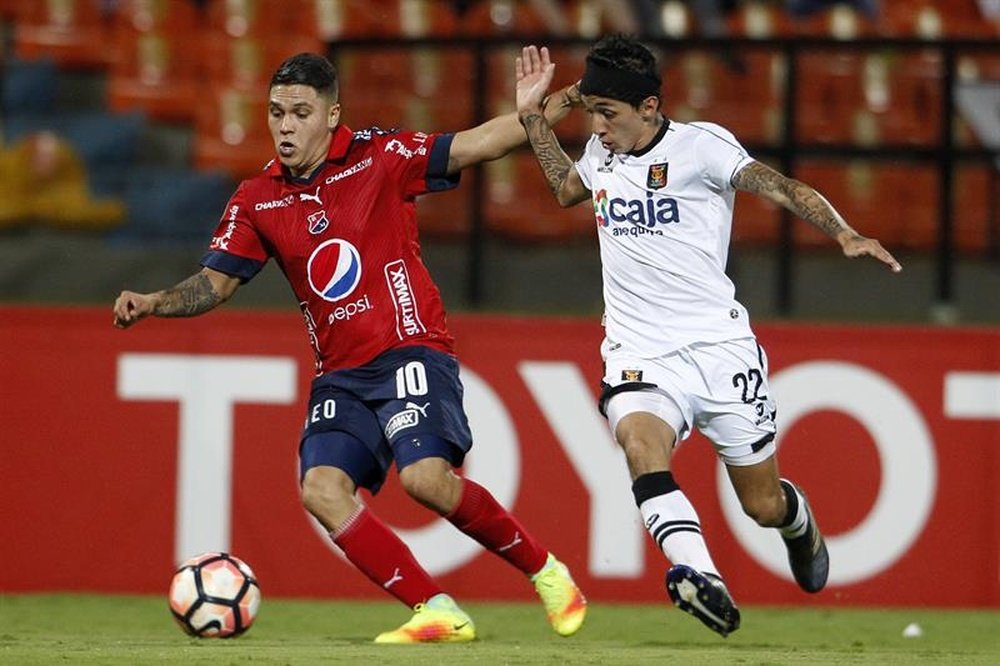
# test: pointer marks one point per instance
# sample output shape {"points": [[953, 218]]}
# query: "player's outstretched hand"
{"points": [[534, 72], [857, 246], [130, 308]]}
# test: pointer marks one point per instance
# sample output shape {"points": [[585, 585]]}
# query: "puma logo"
{"points": [[422, 410], [311, 197], [517, 540], [396, 577]]}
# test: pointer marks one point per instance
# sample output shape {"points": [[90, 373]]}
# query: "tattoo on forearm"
{"points": [[554, 162], [191, 297], [798, 197]]}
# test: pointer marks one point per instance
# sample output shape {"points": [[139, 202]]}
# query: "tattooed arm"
{"points": [[196, 295], [812, 207], [534, 73]]}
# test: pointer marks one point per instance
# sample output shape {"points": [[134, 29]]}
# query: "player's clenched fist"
{"points": [[131, 307]]}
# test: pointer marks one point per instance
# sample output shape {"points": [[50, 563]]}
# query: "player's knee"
{"points": [[428, 484], [326, 494], [767, 510]]}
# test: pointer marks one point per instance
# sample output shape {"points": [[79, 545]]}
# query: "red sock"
{"points": [[382, 556], [479, 515]]}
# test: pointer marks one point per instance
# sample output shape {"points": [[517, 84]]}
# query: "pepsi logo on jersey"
{"points": [[334, 269]]}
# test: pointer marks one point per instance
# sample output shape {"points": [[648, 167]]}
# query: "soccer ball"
{"points": [[214, 595]]}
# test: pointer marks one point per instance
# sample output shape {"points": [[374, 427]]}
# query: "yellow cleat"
{"points": [[564, 603], [440, 620]]}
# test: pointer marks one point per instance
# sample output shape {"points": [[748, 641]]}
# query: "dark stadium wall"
{"points": [[127, 452]]}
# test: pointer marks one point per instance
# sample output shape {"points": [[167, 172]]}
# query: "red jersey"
{"points": [[346, 239]]}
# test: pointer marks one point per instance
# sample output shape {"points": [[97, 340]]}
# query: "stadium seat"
{"points": [[100, 138], [520, 207], [755, 221], [933, 19], [445, 215], [430, 89], [759, 19], [840, 21], [858, 190], [28, 86], [170, 204], [157, 58], [830, 95], [231, 133], [248, 62], [74, 33]]}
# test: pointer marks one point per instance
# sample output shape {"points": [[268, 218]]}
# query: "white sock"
{"points": [[673, 523]]}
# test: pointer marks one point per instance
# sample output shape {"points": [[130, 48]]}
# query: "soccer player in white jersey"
{"points": [[679, 351]]}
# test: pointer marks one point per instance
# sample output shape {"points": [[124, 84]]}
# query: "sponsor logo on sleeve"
{"points": [[222, 242], [398, 147]]}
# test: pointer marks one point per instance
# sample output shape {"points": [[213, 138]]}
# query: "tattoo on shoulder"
{"points": [[757, 177]]}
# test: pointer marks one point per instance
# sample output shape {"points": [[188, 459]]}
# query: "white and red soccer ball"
{"points": [[214, 595]]}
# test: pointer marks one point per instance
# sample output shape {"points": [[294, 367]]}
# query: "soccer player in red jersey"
{"points": [[335, 210]]}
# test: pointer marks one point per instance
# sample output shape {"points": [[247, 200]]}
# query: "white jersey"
{"points": [[664, 218]]}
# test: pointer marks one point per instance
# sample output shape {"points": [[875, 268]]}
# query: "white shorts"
{"points": [[719, 388]]}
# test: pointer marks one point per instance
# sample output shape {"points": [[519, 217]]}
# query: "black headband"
{"points": [[617, 84]]}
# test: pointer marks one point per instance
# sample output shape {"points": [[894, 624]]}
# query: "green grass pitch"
{"points": [[93, 629]]}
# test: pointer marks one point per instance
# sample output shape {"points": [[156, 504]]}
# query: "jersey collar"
{"points": [[340, 142], [660, 133]]}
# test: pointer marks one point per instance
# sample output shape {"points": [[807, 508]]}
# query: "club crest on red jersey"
{"points": [[656, 178], [318, 222]]}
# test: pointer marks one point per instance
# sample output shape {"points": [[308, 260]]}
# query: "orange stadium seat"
{"points": [[896, 203], [248, 62], [519, 205], [74, 33], [157, 59], [746, 102], [932, 19], [445, 215], [830, 95], [429, 90], [841, 21], [755, 221], [231, 133], [759, 19]]}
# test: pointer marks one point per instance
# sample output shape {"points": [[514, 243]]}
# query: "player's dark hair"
{"points": [[308, 69], [624, 53]]}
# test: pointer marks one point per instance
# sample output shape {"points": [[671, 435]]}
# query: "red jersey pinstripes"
{"points": [[346, 240]]}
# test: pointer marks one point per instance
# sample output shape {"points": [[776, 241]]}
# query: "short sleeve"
{"points": [[418, 161], [236, 248], [720, 155], [584, 165]]}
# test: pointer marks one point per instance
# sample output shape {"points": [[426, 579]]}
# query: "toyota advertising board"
{"points": [[140, 448]]}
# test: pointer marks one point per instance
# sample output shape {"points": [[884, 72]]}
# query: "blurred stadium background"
{"points": [[134, 120], [892, 115]]}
